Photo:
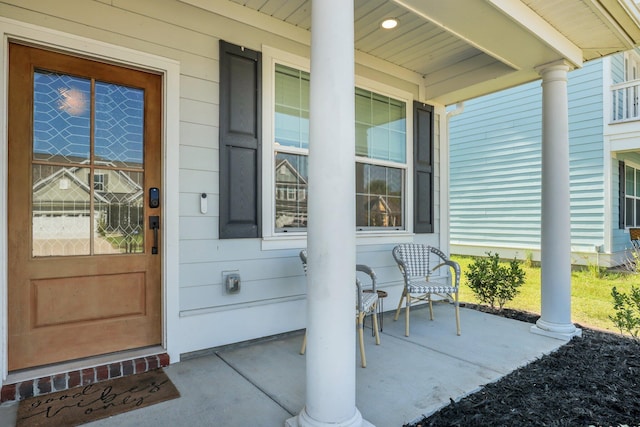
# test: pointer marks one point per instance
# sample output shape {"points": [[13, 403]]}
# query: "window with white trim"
{"points": [[632, 196], [381, 155]]}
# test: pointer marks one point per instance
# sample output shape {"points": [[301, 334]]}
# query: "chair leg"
{"points": [[360, 327], [404, 293], [457, 304], [406, 316], [430, 307], [304, 343], [374, 314]]}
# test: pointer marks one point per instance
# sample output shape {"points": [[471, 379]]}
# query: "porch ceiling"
{"points": [[467, 48]]}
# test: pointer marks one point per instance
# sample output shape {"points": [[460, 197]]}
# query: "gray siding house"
{"points": [[496, 155]]}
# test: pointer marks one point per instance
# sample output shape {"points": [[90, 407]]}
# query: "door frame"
{"points": [[170, 71]]}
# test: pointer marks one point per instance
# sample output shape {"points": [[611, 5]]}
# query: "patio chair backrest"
{"points": [[414, 259]]}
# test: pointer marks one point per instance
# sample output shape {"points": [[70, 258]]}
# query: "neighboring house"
{"points": [[291, 196], [496, 156], [63, 219], [206, 142]]}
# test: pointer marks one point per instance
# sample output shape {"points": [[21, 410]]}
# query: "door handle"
{"points": [[154, 224]]}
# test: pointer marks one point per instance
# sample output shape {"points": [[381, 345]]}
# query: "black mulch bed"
{"points": [[590, 381]]}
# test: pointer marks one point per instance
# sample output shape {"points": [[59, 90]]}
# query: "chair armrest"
{"points": [[359, 292], [456, 269]]}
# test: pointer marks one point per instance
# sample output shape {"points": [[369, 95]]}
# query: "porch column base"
{"points": [[556, 330], [304, 420]]}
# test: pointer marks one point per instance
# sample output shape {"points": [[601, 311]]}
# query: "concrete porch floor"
{"points": [[263, 383]]}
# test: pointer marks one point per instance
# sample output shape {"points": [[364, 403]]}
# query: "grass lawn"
{"points": [[591, 301]]}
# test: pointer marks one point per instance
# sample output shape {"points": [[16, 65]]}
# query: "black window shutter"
{"points": [[240, 141], [422, 168], [622, 194]]}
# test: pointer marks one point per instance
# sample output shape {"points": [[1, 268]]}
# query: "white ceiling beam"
{"points": [[539, 28], [505, 29]]}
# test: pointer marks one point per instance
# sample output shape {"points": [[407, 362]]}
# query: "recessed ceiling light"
{"points": [[389, 23]]}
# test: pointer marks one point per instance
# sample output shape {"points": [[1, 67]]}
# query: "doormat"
{"points": [[84, 404]]}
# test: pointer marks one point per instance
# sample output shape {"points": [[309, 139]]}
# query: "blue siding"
{"points": [[496, 162]]}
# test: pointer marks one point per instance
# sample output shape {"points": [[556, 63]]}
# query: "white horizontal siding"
{"points": [[496, 165]]}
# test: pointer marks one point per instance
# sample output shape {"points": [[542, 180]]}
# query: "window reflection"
{"points": [[61, 117], [378, 196], [61, 211], [291, 191], [86, 203]]}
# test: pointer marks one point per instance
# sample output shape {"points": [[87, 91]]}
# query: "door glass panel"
{"points": [[61, 213], [118, 204], [61, 117], [119, 125], [95, 204]]}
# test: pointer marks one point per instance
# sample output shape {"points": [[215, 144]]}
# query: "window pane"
{"points": [[637, 182], [397, 146], [292, 107], [629, 217], [363, 106], [379, 138], [119, 127], [118, 200], [637, 216], [61, 211], [629, 180], [397, 115], [291, 191], [380, 127], [61, 117], [379, 196]]}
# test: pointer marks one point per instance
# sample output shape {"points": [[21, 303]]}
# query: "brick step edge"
{"points": [[82, 377]]}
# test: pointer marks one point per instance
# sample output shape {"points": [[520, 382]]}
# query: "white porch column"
{"points": [[331, 349], [555, 317]]}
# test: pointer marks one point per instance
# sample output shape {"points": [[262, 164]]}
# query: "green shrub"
{"points": [[627, 311], [495, 282]]}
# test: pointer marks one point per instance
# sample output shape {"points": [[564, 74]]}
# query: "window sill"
{"points": [[299, 240]]}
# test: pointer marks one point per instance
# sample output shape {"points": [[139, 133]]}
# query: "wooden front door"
{"points": [[84, 154]]}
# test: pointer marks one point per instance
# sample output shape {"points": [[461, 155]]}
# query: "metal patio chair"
{"points": [[366, 303], [414, 261]]}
